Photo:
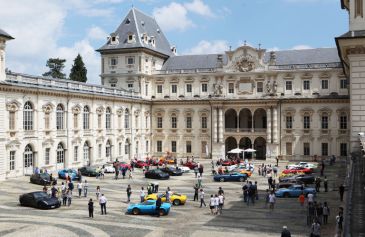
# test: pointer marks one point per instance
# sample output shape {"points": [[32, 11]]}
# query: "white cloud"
{"points": [[272, 49], [209, 47], [198, 7], [172, 17], [96, 33], [301, 46]]}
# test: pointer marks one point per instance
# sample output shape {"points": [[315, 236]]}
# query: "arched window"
{"points": [[28, 156], [60, 153], [60, 117], [86, 152], [86, 119], [108, 149], [108, 118], [28, 116], [126, 118]]}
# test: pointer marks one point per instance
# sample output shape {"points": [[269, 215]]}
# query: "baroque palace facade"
{"points": [[294, 104]]}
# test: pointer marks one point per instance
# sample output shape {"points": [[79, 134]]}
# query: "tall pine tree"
{"points": [[55, 66], [78, 70]]}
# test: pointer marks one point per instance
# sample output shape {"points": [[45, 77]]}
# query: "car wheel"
{"points": [[176, 202], [135, 211], [242, 179], [286, 195], [221, 179], [162, 212]]}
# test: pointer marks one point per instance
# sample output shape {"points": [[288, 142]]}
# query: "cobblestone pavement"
{"points": [[188, 220], [358, 202]]}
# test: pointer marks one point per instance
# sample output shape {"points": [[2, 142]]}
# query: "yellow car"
{"points": [[176, 199], [249, 173]]}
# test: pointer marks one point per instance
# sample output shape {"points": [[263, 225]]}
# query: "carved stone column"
{"points": [[268, 131], [221, 125], [215, 125], [275, 125]]}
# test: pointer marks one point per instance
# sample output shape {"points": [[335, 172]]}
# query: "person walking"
{"points": [[129, 193], [69, 197], [269, 181], [70, 186], [221, 203], [102, 202], [220, 191], [79, 188], [86, 186], [142, 194], [318, 183], [201, 194], [315, 229], [319, 212], [272, 200], [325, 184], [341, 190], [211, 204], [91, 208], [285, 232], [216, 204], [130, 174], [245, 191], [301, 199], [267, 198], [97, 192], [322, 167], [326, 213], [339, 221], [310, 199], [158, 206], [199, 181], [196, 192], [196, 171]]}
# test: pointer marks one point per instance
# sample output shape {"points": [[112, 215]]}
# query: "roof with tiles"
{"points": [[4, 34]]}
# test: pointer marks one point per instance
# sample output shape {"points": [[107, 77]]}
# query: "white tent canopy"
{"points": [[250, 150], [236, 151]]}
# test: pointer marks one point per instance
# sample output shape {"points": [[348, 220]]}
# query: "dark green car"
{"points": [[89, 171]]}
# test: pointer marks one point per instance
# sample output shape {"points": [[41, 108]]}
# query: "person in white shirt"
{"points": [[272, 200], [211, 204], [79, 188], [201, 194], [310, 198], [216, 204], [221, 202], [142, 194], [102, 202]]}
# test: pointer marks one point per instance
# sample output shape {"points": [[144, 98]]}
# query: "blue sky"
{"points": [[63, 28]]}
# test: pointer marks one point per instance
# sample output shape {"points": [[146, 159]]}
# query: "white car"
{"points": [[303, 165], [109, 168], [184, 169]]}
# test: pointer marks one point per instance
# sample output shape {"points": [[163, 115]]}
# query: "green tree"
{"points": [[55, 65], [78, 70]]}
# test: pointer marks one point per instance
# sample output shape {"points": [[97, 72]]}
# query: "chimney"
{"points": [[173, 50], [272, 60]]}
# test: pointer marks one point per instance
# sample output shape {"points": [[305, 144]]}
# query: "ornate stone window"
{"points": [[120, 114], [325, 117], [108, 149], [12, 160], [28, 156], [76, 111], [108, 114], [289, 114], [359, 9], [28, 111], [99, 112], [86, 117], [60, 113], [307, 117], [12, 107], [86, 150], [60, 153]]}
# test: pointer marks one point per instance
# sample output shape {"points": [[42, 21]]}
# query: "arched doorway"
{"points": [[60, 155], [28, 159], [245, 120], [230, 144], [260, 147], [246, 143], [86, 150], [260, 120], [230, 118]]}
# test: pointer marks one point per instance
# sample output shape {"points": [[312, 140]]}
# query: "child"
{"points": [[91, 208]]}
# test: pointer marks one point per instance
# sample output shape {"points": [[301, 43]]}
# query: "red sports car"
{"points": [[295, 170], [140, 164], [124, 165], [229, 162], [190, 164]]}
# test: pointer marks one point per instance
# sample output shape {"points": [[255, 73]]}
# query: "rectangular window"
{"points": [[343, 84], [343, 122], [12, 160], [306, 122], [113, 85], [159, 122], [306, 85], [204, 122], [173, 88], [126, 120], [126, 148], [130, 60], [75, 121], [159, 89], [159, 146], [76, 153], [289, 122], [173, 122], [204, 147], [99, 121], [46, 121], [11, 120], [231, 88], [288, 85], [343, 149], [188, 146], [130, 85], [260, 87], [324, 122], [289, 149], [173, 146], [113, 61], [324, 149], [188, 122], [324, 84], [204, 87], [189, 88], [99, 150], [306, 149]]}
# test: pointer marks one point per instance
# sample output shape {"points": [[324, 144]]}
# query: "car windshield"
{"points": [[44, 176], [40, 195], [158, 171], [148, 203]]}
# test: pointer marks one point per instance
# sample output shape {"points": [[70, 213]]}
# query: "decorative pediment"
{"points": [[13, 145], [288, 76], [343, 138], [344, 110], [307, 138], [325, 138], [204, 79], [76, 109], [307, 111], [288, 138], [76, 140], [203, 112], [48, 108], [174, 80], [189, 79], [307, 75], [159, 112], [188, 112], [325, 75], [245, 59], [120, 138], [13, 106], [174, 112], [325, 110], [147, 113], [100, 139], [100, 110], [159, 80], [137, 112]]}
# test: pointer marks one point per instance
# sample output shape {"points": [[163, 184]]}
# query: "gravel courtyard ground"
{"points": [[188, 220]]}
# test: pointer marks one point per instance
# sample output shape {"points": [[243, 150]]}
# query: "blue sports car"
{"points": [[148, 207], [294, 191], [230, 177], [68, 172]]}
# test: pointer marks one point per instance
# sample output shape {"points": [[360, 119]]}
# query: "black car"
{"points": [[156, 174], [39, 200], [89, 171], [288, 184], [42, 179], [172, 171], [304, 178]]}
